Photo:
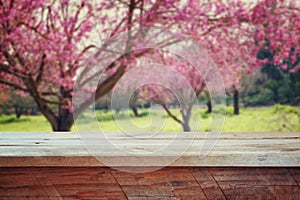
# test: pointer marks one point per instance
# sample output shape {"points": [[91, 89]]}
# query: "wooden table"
{"points": [[241, 166]]}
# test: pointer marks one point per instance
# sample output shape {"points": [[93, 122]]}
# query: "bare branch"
{"points": [[170, 114], [103, 88]]}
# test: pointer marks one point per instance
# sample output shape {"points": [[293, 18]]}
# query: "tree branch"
{"points": [[170, 114], [33, 29], [101, 90], [41, 70], [13, 85]]}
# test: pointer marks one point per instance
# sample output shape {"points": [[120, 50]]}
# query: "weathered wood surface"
{"points": [[60, 183], [231, 149]]}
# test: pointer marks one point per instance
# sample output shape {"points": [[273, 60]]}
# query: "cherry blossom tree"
{"points": [[210, 23], [183, 95], [217, 26], [242, 37], [44, 45]]}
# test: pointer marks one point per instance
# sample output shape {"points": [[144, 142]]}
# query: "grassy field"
{"points": [[263, 119]]}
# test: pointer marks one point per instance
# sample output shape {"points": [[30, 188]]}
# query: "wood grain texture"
{"points": [[168, 183], [231, 149]]}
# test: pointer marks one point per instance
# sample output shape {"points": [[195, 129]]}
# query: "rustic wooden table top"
{"points": [[231, 149], [240, 166]]}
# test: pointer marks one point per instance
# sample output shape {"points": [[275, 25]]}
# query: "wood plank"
{"points": [[266, 183], [167, 183], [231, 149], [179, 135], [51, 191], [175, 183], [295, 173], [253, 177], [183, 182], [208, 161], [208, 183], [59, 183], [155, 142]]}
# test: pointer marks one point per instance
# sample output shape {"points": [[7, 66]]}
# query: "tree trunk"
{"points": [[63, 124], [209, 106], [62, 121], [276, 96], [18, 112], [33, 111], [132, 103], [208, 102], [186, 126], [236, 102], [65, 119], [134, 110], [186, 119]]}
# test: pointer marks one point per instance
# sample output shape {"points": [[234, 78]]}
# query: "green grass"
{"points": [[24, 124], [266, 119], [261, 119]]}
